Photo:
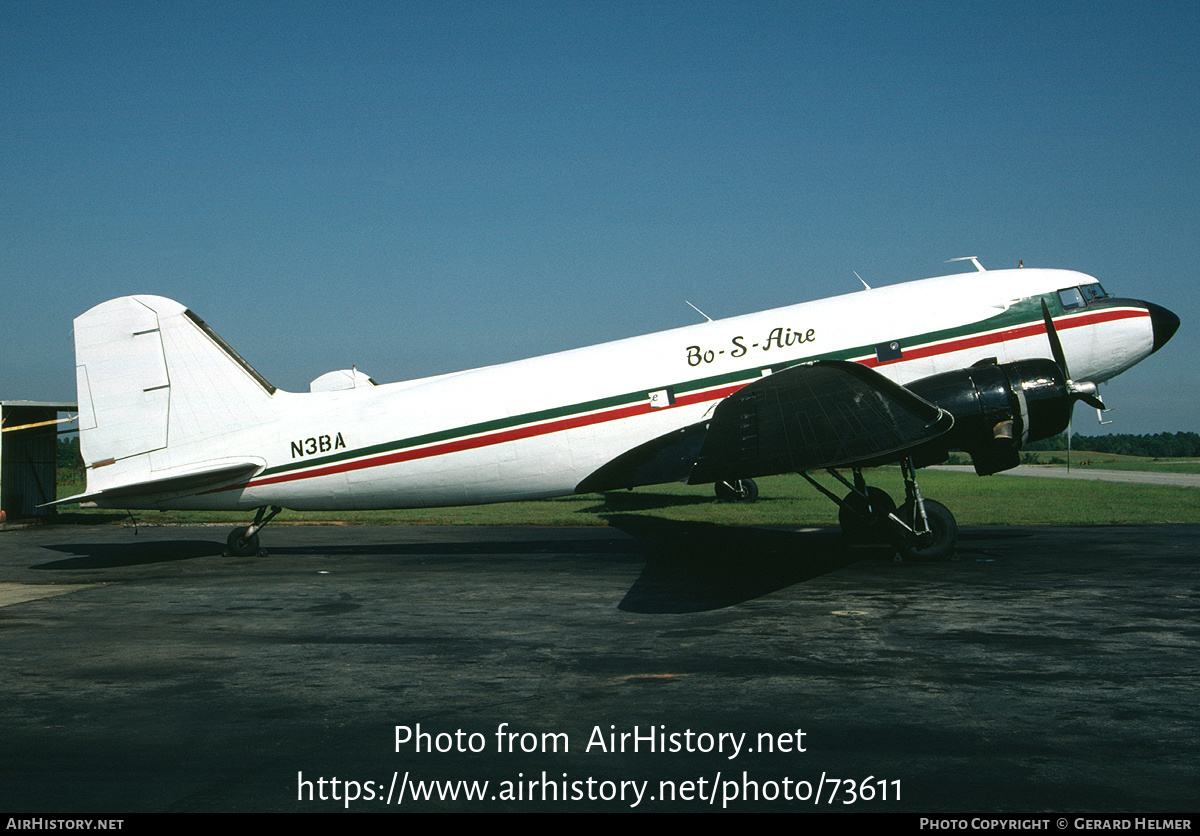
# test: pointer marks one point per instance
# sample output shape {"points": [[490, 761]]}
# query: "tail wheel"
{"points": [[936, 544], [736, 490]]}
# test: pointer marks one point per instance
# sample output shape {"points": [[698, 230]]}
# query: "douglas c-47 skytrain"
{"points": [[172, 417]]}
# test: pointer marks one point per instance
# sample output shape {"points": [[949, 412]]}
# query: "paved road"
{"points": [[1179, 480], [1047, 669]]}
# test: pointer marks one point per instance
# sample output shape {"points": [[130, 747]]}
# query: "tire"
{"points": [[942, 525], [857, 524], [239, 545], [736, 490]]}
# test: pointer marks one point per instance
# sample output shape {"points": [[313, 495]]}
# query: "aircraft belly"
{"points": [[470, 477], [324, 493]]}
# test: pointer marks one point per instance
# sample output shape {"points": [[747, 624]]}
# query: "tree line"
{"points": [[1156, 446], [68, 453]]}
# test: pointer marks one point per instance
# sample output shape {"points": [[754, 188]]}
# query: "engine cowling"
{"points": [[999, 407]]}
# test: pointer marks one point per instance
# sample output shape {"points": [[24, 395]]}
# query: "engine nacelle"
{"points": [[998, 408]]}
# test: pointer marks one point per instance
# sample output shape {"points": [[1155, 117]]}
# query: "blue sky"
{"points": [[416, 188]]}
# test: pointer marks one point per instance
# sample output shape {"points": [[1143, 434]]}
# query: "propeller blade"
{"points": [[1086, 392], [1056, 349], [1083, 390]]}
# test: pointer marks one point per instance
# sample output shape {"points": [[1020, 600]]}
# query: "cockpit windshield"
{"points": [[1073, 298]]}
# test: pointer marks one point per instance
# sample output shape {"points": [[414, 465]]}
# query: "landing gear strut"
{"points": [[926, 529], [920, 529], [243, 541]]}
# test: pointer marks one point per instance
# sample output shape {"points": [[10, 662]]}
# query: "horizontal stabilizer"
{"points": [[186, 480], [828, 413]]}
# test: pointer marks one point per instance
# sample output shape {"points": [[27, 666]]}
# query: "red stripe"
{"points": [[516, 434], [1020, 332], [559, 425]]}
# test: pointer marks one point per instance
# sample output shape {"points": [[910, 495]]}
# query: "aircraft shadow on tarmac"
{"points": [[689, 566], [115, 555], [695, 566]]}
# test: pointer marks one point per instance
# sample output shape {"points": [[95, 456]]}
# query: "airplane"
{"points": [[171, 417]]}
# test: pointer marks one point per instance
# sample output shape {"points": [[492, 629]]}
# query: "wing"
{"points": [[828, 413]]}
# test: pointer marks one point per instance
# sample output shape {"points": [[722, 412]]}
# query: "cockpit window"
{"points": [[1073, 298]]}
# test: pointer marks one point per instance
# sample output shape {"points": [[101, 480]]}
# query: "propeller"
{"points": [[1082, 390]]}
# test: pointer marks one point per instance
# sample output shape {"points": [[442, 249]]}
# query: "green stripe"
{"points": [[1022, 313], [470, 429]]}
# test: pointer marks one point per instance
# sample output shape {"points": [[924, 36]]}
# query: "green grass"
{"points": [[784, 501], [1103, 461]]}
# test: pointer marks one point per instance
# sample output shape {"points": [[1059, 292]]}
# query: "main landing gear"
{"points": [[243, 541], [920, 529]]}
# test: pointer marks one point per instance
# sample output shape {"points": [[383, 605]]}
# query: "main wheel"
{"points": [[239, 545], [940, 542], [859, 523], [736, 490]]}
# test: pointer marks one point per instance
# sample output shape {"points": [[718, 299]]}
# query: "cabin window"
{"points": [[1093, 291]]}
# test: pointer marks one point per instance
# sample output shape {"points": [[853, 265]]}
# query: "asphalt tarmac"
{"points": [[649, 666]]}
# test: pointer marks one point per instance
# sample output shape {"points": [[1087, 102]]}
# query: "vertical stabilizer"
{"points": [[159, 391]]}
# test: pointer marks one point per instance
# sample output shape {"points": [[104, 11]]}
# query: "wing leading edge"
{"points": [[829, 413]]}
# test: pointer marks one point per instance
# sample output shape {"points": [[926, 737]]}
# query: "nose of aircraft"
{"points": [[1164, 322]]}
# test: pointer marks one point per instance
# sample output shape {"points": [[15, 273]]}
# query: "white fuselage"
{"points": [[537, 427]]}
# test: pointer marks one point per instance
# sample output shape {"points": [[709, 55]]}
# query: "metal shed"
{"points": [[29, 456]]}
